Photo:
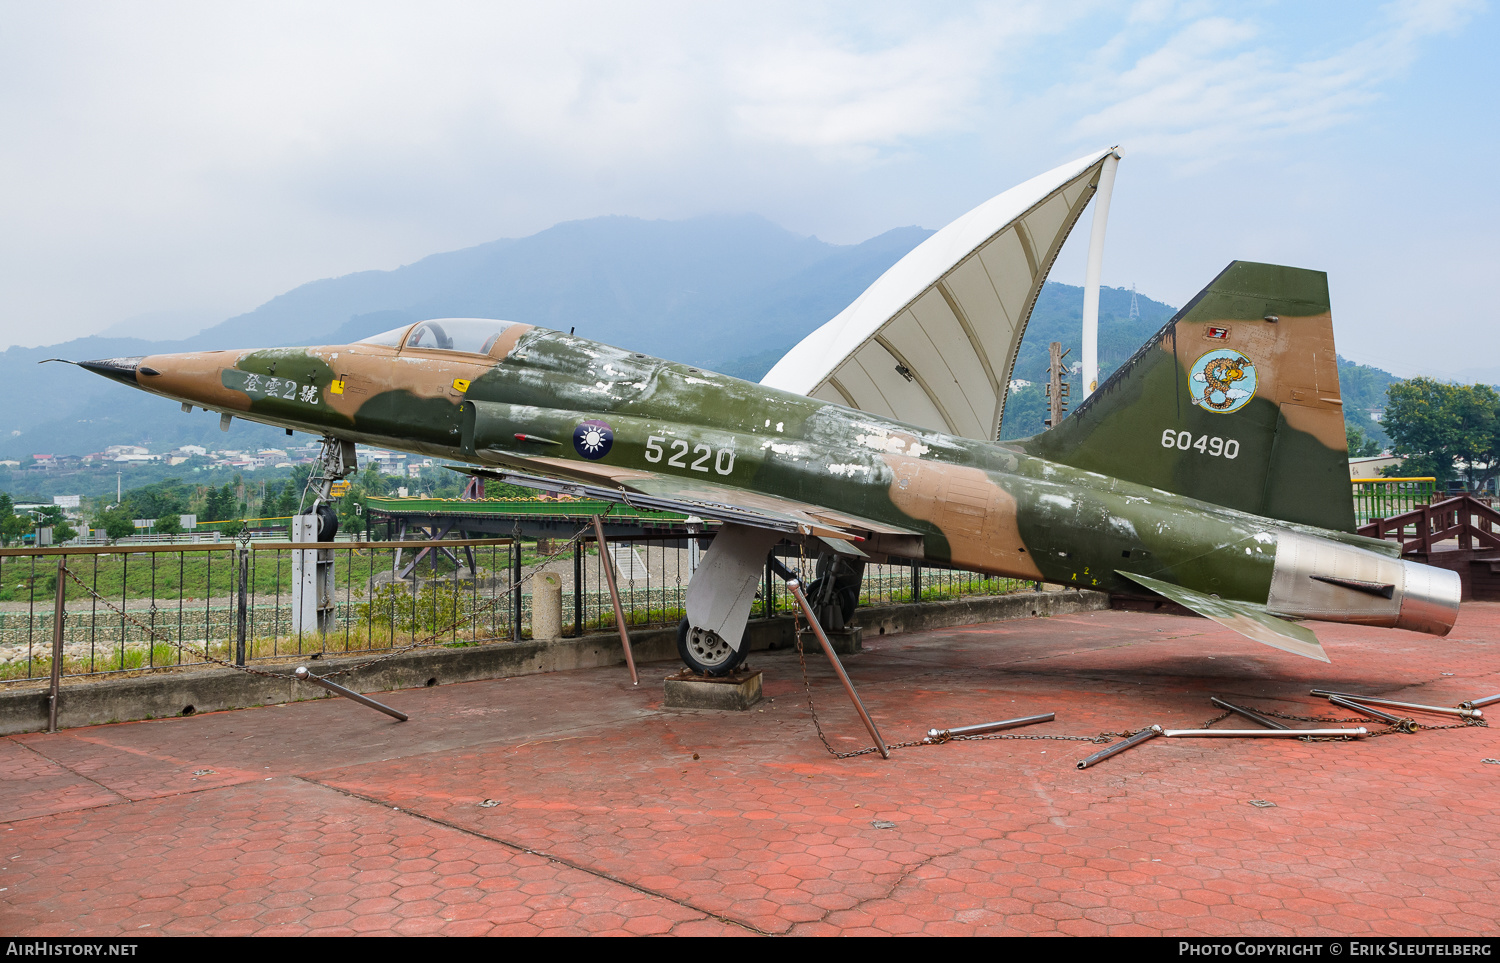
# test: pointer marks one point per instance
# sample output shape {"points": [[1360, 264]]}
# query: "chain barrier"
{"points": [[1407, 725], [798, 630], [799, 627], [243, 537]]}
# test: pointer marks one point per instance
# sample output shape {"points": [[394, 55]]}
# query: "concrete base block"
{"points": [[844, 641], [733, 693]]}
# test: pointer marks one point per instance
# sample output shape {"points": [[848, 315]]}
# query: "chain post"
{"points": [[242, 608], [59, 608]]}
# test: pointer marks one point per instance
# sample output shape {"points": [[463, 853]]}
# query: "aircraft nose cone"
{"points": [[120, 369]]}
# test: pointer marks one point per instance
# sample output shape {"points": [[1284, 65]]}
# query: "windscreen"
{"points": [[391, 338], [471, 335]]}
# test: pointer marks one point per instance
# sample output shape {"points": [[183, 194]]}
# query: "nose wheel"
{"points": [[703, 651]]}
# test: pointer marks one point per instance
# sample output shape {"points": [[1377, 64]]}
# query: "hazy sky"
{"points": [[168, 165]]}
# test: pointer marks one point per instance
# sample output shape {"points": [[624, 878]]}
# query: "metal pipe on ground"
{"points": [[1477, 703], [1374, 700], [935, 736], [1250, 714], [1149, 733], [1385, 717], [305, 676], [1262, 733]]}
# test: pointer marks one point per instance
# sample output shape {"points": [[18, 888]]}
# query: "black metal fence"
{"points": [[138, 608]]}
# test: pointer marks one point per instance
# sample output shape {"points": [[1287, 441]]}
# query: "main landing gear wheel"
{"points": [[703, 651]]}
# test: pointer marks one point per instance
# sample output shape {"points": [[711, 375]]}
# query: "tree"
{"points": [[169, 524], [1360, 445], [1444, 430], [115, 522], [53, 517], [12, 526], [219, 506]]}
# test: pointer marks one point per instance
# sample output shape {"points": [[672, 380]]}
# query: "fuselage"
{"points": [[528, 397]]}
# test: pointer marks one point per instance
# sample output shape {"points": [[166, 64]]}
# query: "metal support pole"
{"points": [[943, 735], [577, 587], [1261, 733], [1120, 747], [614, 597], [515, 581], [1372, 700], [305, 676], [1248, 714], [1385, 717], [838, 667], [58, 611], [1093, 272], [241, 609], [916, 580]]}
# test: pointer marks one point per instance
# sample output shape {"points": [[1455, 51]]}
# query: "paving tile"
{"points": [[320, 818]]}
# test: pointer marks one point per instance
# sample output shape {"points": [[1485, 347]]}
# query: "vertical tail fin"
{"points": [[1235, 402]]}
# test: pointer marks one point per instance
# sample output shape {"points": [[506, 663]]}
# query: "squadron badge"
{"points": [[1222, 381], [593, 439]]}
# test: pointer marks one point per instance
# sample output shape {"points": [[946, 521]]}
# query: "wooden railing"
{"points": [[1464, 518]]}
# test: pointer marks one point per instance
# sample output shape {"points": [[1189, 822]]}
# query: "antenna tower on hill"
{"points": [[1135, 306]]}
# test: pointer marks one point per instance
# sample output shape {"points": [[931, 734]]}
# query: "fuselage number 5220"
{"points": [[723, 458]]}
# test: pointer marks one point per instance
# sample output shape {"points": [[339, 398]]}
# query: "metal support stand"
{"points": [[305, 676], [312, 569], [59, 609], [614, 597], [796, 586]]}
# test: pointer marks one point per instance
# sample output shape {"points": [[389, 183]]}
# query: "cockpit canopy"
{"points": [[469, 335]]}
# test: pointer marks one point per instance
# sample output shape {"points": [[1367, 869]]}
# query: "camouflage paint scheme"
{"points": [[1100, 495]]}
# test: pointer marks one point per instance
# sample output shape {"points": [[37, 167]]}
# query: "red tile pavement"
{"points": [[571, 803]]}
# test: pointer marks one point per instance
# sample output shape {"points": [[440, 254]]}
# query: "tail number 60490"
{"points": [[1218, 447]]}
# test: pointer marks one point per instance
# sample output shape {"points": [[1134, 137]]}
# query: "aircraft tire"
{"points": [[705, 652], [846, 597]]}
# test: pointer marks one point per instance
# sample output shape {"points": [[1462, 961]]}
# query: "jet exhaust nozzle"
{"points": [[1317, 578], [1429, 600]]}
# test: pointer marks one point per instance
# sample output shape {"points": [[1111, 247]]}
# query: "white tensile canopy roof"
{"points": [[933, 340]]}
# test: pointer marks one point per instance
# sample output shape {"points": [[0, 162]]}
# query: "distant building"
{"points": [[1371, 467]]}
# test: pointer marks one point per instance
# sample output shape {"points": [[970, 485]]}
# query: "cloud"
{"points": [[1218, 86]]}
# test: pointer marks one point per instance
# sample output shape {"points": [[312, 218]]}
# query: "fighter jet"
{"points": [[1209, 469]]}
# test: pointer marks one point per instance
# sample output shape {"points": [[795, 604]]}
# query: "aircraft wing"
{"points": [[706, 500], [1251, 621]]}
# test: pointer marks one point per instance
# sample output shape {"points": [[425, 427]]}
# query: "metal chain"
{"points": [[1407, 725], [157, 636], [1100, 739]]}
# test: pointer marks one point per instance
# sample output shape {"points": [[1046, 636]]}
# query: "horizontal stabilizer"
{"points": [[1251, 621]]}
